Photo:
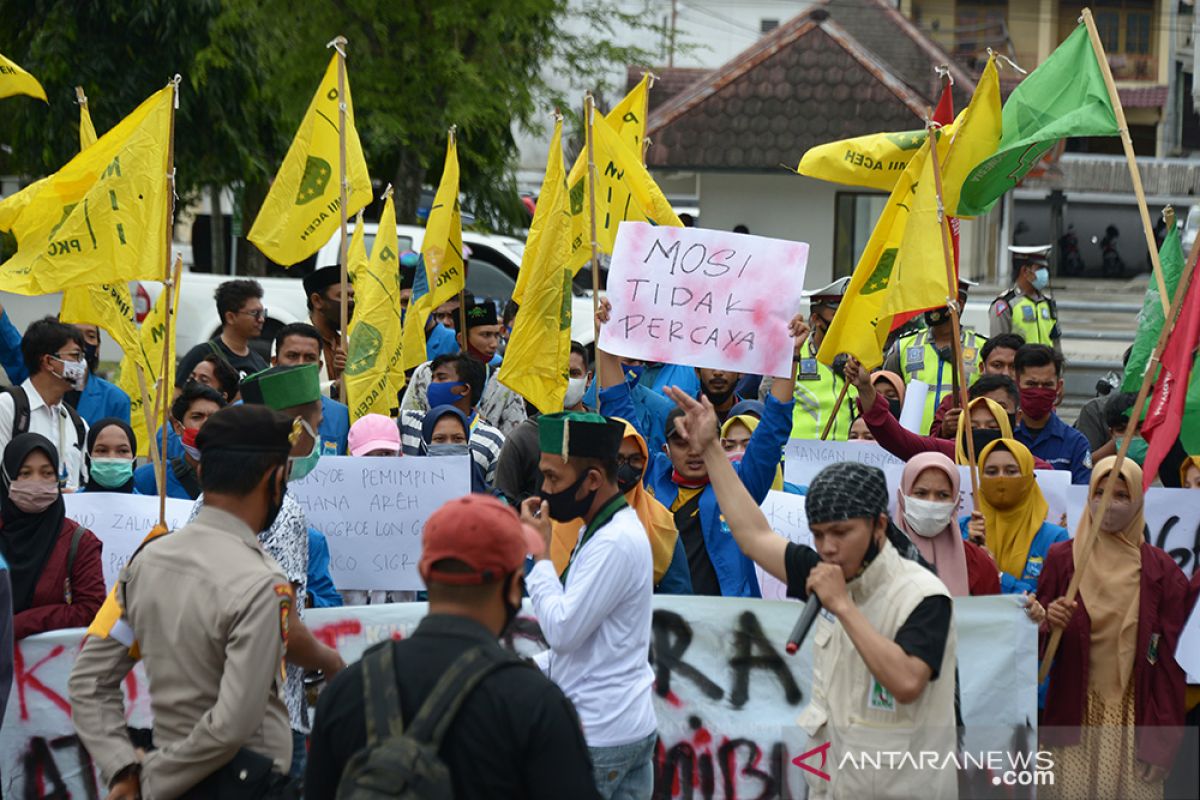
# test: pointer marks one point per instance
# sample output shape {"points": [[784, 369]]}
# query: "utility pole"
{"points": [[674, 17]]}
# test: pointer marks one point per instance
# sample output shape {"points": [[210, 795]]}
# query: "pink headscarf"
{"points": [[946, 550]]}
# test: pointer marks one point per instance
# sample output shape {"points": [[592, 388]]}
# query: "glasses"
{"points": [[259, 314], [637, 462], [74, 355]]}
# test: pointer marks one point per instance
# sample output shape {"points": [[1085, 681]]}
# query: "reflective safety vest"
{"points": [[816, 393], [919, 360], [1036, 320]]}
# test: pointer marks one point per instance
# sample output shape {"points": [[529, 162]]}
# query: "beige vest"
{"points": [[852, 711]]}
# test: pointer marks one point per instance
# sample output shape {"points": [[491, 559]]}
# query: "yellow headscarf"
{"points": [[1111, 586], [1188, 463], [751, 423], [656, 519], [964, 424], [1010, 531]]}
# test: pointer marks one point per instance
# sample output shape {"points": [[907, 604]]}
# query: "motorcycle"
{"points": [[1111, 263], [1069, 258]]}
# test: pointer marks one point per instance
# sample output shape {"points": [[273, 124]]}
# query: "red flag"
{"points": [[942, 115], [1165, 415]]}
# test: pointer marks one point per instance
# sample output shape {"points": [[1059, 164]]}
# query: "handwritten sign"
{"points": [[785, 514], [1189, 647], [708, 298], [121, 522], [804, 458], [372, 512]]}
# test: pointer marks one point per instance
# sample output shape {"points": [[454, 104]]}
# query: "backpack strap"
{"points": [[381, 695], [442, 705], [80, 431], [76, 535], [20, 423]]}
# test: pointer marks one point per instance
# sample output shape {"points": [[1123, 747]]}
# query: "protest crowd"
{"points": [[591, 481]]}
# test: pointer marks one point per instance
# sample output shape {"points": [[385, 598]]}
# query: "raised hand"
{"points": [[699, 423]]}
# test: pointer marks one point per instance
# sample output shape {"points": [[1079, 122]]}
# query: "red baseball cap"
{"points": [[483, 533]]}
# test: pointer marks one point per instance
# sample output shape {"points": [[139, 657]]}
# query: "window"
{"points": [[1126, 32], [1137, 33], [854, 218], [767, 25], [978, 25]]}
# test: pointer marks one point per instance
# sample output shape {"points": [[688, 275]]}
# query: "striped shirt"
{"points": [[499, 405], [485, 442]]}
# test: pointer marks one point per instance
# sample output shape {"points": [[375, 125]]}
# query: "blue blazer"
{"points": [[100, 399], [335, 427]]}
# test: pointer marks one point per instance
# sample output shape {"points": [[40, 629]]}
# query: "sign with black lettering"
{"points": [[706, 298]]}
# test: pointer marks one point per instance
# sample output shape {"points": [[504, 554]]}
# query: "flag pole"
{"points": [[645, 148], [339, 46], [462, 293], [169, 281], [589, 109], [837, 406], [148, 414], [1127, 143], [960, 377], [1135, 417], [171, 288]]}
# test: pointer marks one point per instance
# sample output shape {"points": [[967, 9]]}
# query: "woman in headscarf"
{"points": [[889, 385], [735, 437], [52, 587], [671, 572], [446, 432], [925, 510], [1011, 521], [1115, 702], [111, 453], [1189, 473]]}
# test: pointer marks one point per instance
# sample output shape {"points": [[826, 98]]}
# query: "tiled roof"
{"points": [[809, 81], [668, 81]]}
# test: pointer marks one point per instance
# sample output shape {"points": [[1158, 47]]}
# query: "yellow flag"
{"points": [[440, 273], [536, 360], [373, 375], [874, 161], [919, 279], [14, 80], [148, 351], [628, 119], [302, 208], [356, 251], [102, 218], [87, 131], [108, 305]]}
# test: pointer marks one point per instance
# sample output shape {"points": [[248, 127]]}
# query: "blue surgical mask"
{"points": [[437, 450], [302, 465], [443, 394], [633, 374], [1041, 278]]}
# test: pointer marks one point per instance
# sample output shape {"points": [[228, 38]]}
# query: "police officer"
{"points": [[818, 386], [1024, 309], [209, 610], [928, 355]]}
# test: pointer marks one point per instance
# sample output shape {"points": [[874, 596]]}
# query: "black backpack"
{"points": [[20, 422], [404, 763]]}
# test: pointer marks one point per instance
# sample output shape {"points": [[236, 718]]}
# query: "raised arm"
{"points": [[746, 521]]}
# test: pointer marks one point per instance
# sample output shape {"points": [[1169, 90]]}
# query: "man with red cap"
{"points": [[515, 733]]}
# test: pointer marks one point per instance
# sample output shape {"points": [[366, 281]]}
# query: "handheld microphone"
{"points": [[807, 617]]}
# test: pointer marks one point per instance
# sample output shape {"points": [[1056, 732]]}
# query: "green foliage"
{"points": [[250, 68]]}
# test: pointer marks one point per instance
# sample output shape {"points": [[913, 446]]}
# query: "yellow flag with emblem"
{"points": [[302, 209], [149, 353], [374, 375], [102, 218], [873, 161], [440, 271], [14, 81], [539, 350]]}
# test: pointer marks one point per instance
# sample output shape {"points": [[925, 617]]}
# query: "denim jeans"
{"points": [[625, 772]]}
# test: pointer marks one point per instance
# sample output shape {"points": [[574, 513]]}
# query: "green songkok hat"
{"points": [[581, 434], [283, 387]]}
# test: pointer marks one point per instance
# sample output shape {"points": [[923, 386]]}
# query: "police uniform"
{"points": [[1034, 317], [817, 385], [208, 610]]}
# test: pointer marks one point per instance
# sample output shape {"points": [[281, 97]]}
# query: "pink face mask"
{"points": [[33, 496]]}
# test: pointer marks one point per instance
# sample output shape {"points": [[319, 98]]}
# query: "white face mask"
{"points": [[74, 373], [926, 517], [575, 389]]}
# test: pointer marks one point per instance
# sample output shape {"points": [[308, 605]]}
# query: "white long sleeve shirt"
{"points": [[598, 628]]}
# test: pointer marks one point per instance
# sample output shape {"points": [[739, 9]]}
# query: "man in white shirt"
{"points": [[54, 356], [597, 619]]}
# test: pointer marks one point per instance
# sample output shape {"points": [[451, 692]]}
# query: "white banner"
{"points": [[121, 522], [726, 693], [708, 298], [372, 512]]}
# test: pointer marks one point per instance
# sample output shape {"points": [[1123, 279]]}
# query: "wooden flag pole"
{"points": [[148, 415], [339, 46], [1127, 143], [1135, 416], [960, 375], [837, 406], [589, 109], [169, 282], [168, 359], [645, 148]]}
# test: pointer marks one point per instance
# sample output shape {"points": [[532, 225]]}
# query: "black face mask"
{"points": [[274, 508], [983, 437], [628, 476], [91, 354], [564, 506], [894, 407], [937, 316]]}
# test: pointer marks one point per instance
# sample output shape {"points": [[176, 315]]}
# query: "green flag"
{"points": [[1065, 96], [1150, 320]]}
